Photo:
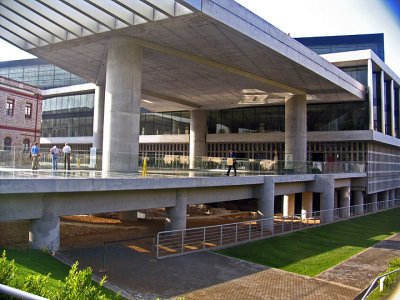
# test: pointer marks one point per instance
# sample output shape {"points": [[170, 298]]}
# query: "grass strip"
{"points": [[37, 262], [312, 251]]}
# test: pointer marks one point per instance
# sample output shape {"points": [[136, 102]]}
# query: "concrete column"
{"points": [[345, 202], [385, 196], [265, 203], [306, 205], [336, 202], [44, 233], [98, 117], [197, 137], [288, 205], [296, 129], [383, 102], [370, 95], [374, 201], [176, 215], [393, 129], [397, 197], [122, 106], [130, 215], [327, 184], [358, 202], [392, 196]]}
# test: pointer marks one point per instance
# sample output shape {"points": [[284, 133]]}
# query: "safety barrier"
{"points": [[178, 242]]}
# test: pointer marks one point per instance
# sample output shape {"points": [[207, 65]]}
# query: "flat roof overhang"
{"points": [[198, 54]]}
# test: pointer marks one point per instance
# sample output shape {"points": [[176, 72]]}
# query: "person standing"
{"points": [[67, 157], [35, 150], [231, 162], [54, 156]]}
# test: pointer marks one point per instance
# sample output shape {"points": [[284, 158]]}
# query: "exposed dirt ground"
{"points": [[87, 230]]}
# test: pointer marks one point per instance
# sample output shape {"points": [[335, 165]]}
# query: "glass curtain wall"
{"points": [[68, 116]]}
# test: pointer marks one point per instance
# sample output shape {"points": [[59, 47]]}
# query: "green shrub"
{"points": [[78, 285], [394, 277], [7, 269], [36, 284]]}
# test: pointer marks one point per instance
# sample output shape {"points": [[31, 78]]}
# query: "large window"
{"points": [[10, 107], [165, 123], [26, 145], [28, 110], [68, 116], [38, 73], [247, 120], [7, 143], [337, 116]]}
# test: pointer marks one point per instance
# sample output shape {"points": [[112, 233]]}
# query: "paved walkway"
{"points": [[208, 275]]}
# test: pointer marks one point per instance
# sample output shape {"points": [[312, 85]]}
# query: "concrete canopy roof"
{"points": [[198, 54]]}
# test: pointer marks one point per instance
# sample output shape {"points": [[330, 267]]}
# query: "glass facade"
{"points": [[337, 116], [38, 73], [247, 120], [344, 43], [68, 116], [165, 123]]}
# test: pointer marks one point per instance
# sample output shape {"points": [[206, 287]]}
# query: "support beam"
{"points": [[197, 138], [98, 117], [306, 205], [44, 233], [383, 103], [359, 202], [296, 129], [371, 95], [176, 215], [288, 205], [345, 202], [373, 200], [265, 203], [122, 106], [327, 184]]}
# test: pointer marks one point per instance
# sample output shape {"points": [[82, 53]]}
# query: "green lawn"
{"points": [[315, 250], [37, 262]]}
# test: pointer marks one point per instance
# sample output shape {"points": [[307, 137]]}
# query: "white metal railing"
{"points": [[10, 291], [381, 280], [179, 242]]}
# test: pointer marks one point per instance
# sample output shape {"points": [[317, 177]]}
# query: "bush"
{"points": [[7, 269], [36, 284], [78, 285], [394, 277]]}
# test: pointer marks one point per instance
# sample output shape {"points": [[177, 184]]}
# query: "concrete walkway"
{"points": [[208, 275]]}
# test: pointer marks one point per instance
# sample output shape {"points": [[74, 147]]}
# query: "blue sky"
{"points": [[302, 18]]}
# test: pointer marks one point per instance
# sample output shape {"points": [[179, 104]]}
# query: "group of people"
{"points": [[55, 152]]}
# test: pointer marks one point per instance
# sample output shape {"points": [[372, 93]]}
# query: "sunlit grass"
{"points": [[315, 250]]}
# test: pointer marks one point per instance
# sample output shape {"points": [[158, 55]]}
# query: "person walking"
{"points": [[231, 162], [67, 157], [54, 156], [35, 150]]}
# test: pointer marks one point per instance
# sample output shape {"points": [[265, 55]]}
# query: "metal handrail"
{"points": [[184, 241], [372, 286], [10, 291]]}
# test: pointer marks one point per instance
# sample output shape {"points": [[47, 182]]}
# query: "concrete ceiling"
{"points": [[198, 54]]}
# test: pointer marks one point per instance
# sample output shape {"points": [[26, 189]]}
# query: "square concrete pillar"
{"points": [[296, 129], [345, 202], [306, 205]]}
